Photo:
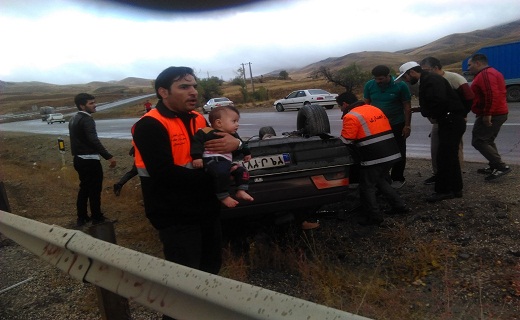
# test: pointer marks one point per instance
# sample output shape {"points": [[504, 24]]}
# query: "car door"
{"points": [[300, 99], [291, 101]]}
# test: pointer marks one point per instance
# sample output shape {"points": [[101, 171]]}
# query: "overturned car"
{"points": [[296, 172]]}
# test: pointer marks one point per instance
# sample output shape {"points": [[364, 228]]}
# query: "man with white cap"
{"points": [[439, 101]]}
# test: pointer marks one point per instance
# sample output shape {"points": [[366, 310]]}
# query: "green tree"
{"points": [[209, 88], [283, 75], [351, 77]]}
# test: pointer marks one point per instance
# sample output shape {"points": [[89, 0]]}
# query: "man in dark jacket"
{"points": [[87, 149], [179, 201], [440, 102]]}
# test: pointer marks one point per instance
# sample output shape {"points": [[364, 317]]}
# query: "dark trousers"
{"points": [[397, 171], [483, 139], [127, 176], [194, 246], [449, 175], [220, 170], [372, 179], [90, 184]]}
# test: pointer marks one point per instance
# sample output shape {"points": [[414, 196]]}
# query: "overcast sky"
{"points": [[71, 42]]}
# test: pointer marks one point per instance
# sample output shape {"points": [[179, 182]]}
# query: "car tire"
{"points": [[266, 131], [329, 107], [306, 103], [280, 108], [312, 120], [513, 94]]}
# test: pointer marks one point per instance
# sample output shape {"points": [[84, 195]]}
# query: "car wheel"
{"points": [[329, 107], [266, 131], [513, 93], [312, 120], [306, 103], [279, 107]]}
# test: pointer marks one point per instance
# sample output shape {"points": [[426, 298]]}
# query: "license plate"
{"points": [[272, 161]]}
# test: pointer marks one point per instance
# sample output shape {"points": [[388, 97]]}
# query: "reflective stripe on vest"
{"points": [[378, 144], [179, 139]]}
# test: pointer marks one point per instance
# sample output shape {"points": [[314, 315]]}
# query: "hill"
{"points": [[451, 50]]}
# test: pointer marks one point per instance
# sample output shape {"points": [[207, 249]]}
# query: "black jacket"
{"points": [[437, 98], [173, 195], [83, 136]]}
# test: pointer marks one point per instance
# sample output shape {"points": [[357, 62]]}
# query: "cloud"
{"points": [[62, 42]]}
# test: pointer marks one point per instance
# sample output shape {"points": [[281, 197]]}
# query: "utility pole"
{"points": [[244, 73], [251, 75]]}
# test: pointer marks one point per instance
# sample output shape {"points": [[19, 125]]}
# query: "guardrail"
{"points": [[163, 286]]}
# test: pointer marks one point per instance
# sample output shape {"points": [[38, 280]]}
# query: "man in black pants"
{"points": [[439, 101], [87, 150]]}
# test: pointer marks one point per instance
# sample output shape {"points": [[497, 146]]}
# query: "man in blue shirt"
{"points": [[394, 99]]}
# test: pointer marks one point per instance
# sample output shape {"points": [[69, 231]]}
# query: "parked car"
{"points": [[299, 98], [55, 117], [216, 102], [295, 173]]}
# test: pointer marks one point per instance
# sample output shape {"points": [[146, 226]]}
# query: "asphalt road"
{"points": [[418, 144]]}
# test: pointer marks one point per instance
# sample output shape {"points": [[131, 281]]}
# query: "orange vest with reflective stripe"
{"points": [[179, 138], [372, 134]]}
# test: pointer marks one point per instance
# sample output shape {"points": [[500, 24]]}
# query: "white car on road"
{"points": [[299, 98], [216, 102], [55, 117]]}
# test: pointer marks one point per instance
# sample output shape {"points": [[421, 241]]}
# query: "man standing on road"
{"points": [[490, 108], [179, 201], [87, 149], [461, 86], [394, 99], [441, 103]]}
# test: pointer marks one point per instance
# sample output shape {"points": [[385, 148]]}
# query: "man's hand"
{"points": [[487, 121], [226, 144], [112, 163], [406, 131], [197, 163]]}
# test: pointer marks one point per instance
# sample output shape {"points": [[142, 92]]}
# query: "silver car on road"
{"points": [[299, 98], [215, 102]]}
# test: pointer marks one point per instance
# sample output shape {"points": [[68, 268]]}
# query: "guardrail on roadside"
{"points": [[163, 286]]}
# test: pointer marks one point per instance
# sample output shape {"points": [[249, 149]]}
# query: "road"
{"points": [[418, 144]]}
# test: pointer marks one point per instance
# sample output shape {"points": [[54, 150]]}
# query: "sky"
{"points": [[79, 41]]}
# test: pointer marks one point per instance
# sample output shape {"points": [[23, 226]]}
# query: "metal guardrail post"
{"points": [[4, 202], [111, 305]]}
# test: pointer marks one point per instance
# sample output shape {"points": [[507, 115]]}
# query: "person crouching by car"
{"points": [[368, 130]]}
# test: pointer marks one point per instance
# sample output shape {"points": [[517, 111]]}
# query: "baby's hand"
{"points": [[247, 158], [197, 163]]}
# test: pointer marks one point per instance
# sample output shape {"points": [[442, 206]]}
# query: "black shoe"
{"points": [[440, 196], [117, 189], [497, 173], [82, 221], [370, 221], [457, 194], [486, 170], [397, 210], [99, 220], [430, 180]]}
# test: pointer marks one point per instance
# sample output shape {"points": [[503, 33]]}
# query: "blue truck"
{"points": [[506, 59]]}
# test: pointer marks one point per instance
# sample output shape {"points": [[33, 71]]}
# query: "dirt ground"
{"points": [[456, 259]]}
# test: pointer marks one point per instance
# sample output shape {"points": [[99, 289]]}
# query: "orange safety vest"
{"points": [[179, 138], [372, 134]]}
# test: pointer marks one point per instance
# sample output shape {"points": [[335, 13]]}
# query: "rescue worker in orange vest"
{"points": [[179, 201], [367, 131]]}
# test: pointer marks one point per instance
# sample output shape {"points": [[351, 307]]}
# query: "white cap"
{"points": [[405, 67]]}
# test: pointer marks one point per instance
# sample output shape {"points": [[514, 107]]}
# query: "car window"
{"points": [[292, 95], [318, 91], [301, 94]]}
